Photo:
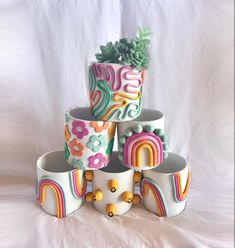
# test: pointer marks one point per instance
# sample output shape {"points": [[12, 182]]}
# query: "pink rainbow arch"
{"points": [[148, 184], [134, 145], [43, 184]]}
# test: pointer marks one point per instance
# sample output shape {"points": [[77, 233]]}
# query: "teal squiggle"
{"points": [[132, 110], [92, 80], [106, 95], [133, 113]]}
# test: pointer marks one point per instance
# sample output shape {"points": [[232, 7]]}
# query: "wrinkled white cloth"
{"points": [[45, 48]]}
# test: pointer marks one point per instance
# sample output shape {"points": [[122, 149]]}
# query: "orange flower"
{"points": [[112, 130], [76, 148], [67, 134], [99, 126]]}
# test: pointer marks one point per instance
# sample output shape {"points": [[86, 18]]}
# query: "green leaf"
{"points": [[132, 52]]}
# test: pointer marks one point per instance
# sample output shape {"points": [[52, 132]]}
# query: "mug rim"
{"points": [[160, 169], [82, 109], [112, 161], [117, 64], [53, 172], [158, 115]]}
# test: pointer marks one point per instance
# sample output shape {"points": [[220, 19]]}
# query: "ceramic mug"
{"points": [[141, 142], [88, 142], [59, 187], [164, 189], [115, 91], [113, 188]]}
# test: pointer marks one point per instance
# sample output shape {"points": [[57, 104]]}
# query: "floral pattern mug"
{"points": [[88, 142]]}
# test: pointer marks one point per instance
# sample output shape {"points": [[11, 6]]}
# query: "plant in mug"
{"points": [[131, 52], [116, 79]]}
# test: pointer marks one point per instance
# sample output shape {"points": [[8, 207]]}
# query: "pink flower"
{"points": [[97, 161], [79, 129]]}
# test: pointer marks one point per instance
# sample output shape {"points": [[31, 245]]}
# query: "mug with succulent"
{"points": [[116, 79]]}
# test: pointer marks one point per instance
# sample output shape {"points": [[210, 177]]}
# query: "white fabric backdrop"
{"points": [[45, 47]]}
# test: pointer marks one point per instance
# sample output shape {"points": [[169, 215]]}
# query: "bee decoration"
{"points": [[97, 195], [111, 210], [127, 196], [113, 185]]}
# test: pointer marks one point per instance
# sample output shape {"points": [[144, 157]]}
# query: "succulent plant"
{"points": [[133, 52], [109, 53], [144, 35]]}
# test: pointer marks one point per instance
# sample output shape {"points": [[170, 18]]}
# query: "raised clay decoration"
{"points": [[116, 79], [113, 188], [88, 143], [113, 185], [141, 142], [60, 188], [111, 210], [164, 189], [115, 91]]}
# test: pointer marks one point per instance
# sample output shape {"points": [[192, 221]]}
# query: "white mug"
{"points": [[164, 189], [60, 188], [141, 142], [113, 188], [88, 142]]}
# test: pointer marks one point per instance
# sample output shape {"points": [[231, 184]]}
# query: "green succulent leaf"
{"points": [[132, 52], [109, 53], [144, 34]]}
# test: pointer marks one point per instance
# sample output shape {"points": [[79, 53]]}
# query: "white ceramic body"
{"points": [[54, 167], [81, 129], [163, 177], [115, 91], [114, 171], [126, 131]]}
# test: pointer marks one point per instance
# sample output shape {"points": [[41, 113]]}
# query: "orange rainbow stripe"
{"points": [[148, 184], [121, 97], [179, 194], [137, 149], [42, 186], [75, 178]]}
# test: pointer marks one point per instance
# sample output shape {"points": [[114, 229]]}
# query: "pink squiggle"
{"points": [[132, 88], [120, 74], [107, 73], [131, 76]]}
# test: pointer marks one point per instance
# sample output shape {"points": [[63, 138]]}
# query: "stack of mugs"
{"points": [[142, 157]]}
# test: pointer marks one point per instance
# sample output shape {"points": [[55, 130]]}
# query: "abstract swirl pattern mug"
{"points": [[164, 189], [88, 142], [115, 91], [59, 187], [141, 142]]}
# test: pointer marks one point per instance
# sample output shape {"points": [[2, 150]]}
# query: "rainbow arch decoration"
{"points": [[148, 184], [75, 178], [139, 138], [47, 182], [179, 194]]}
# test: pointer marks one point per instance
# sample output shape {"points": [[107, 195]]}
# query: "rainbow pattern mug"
{"points": [[59, 187], [141, 142], [115, 91], [164, 189]]}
